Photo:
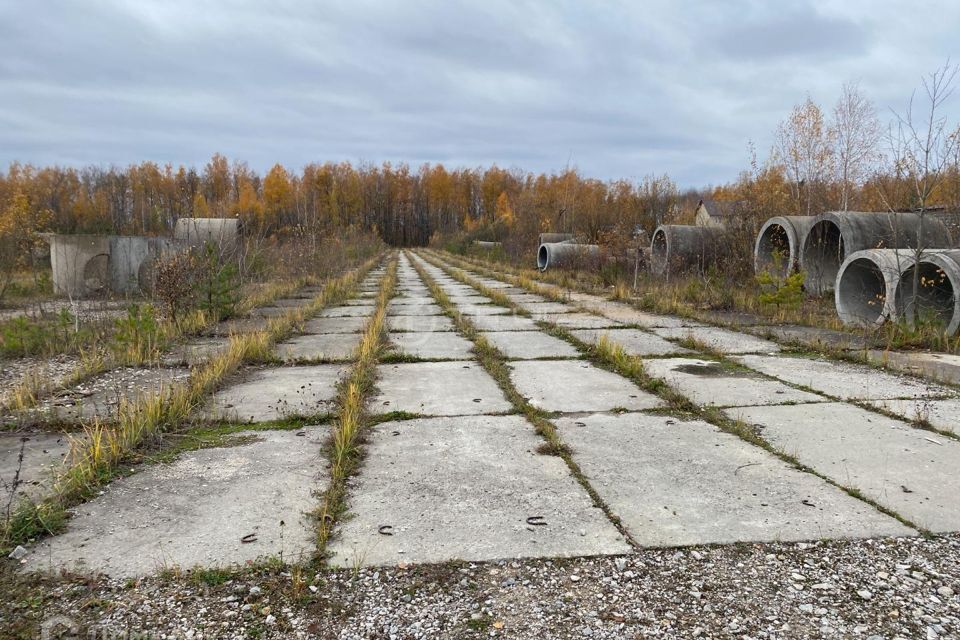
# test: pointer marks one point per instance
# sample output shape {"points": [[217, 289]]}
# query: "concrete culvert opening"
{"points": [[542, 256], [936, 299], [774, 250], [659, 251], [861, 294], [823, 253], [96, 273]]}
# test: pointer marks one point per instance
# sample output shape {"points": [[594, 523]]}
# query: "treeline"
{"points": [[407, 207]]}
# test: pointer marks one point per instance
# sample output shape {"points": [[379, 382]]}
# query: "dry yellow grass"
{"points": [[94, 455], [344, 452]]}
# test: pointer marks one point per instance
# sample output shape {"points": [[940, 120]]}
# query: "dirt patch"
{"points": [[712, 370]]}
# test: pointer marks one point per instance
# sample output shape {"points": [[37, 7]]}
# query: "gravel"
{"points": [[84, 310], [796, 590], [99, 395], [51, 370]]}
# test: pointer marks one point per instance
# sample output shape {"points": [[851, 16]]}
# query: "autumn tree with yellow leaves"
{"points": [[20, 224]]}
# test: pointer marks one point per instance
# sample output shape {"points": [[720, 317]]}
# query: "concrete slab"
{"points": [[634, 341], [529, 345], [574, 385], [547, 307], [482, 309], [430, 309], [433, 345], [524, 298], [275, 393], [361, 302], [458, 289], [348, 311], [734, 319], [907, 470], [336, 325], [943, 367], [842, 379], [677, 483], [583, 298], [709, 383], [195, 351], [941, 414], [503, 323], [493, 284], [628, 315], [471, 299], [237, 326], [437, 389], [419, 323], [405, 300], [576, 320], [292, 302], [722, 340], [270, 312], [463, 489], [809, 336], [195, 511], [43, 455], [319, 346]]}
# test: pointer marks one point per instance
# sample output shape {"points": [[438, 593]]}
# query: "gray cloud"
{"points": [[623, 88], [791, 30]]}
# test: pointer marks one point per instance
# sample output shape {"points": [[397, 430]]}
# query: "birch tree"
{"points": [[856, 135]]}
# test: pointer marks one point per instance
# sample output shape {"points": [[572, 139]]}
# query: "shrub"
{"points": [[219, 281], [25, 337], [175, 285], [138, 337], [781, 291]]}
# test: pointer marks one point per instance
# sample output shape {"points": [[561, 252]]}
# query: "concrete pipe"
{"points": [[547, 238], [835, 235], [938, 298], [127, 255], [224, 233], [778, 244], [554, 254], [80, 264], [677, 247], [486, 244], [867, 283]]}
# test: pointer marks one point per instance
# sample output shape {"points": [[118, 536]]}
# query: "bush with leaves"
{"points": [[175, 284]]}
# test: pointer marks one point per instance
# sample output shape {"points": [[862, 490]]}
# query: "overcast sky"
{"points": [[621, 89]]}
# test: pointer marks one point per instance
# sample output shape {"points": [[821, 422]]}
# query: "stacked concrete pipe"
{"points": [[835, 235], [92, 265], [939, 296], [779, 242], [681, 247], [867, 283], [555, 254]]}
